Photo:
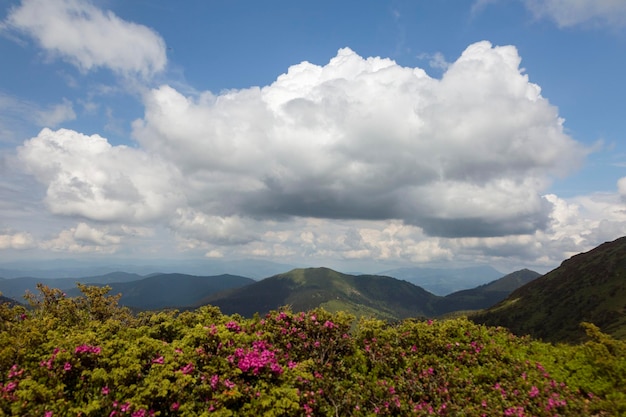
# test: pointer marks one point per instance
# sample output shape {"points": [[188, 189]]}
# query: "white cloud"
{"points": [[93, 236], [469, 154], [18, 241], [55, 115], [83, 239], [16, 114], [621, 188], [198, 226], [360, 160], [436, 60], [86, 176], [575, 12], [89, 38]]}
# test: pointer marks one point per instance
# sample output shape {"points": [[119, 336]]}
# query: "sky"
{"points": [[360, 135]]}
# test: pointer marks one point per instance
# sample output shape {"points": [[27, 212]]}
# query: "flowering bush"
{"points": [[86, 356]]}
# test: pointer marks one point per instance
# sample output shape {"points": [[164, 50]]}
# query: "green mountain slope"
{"points": [[304, 289], [485, 295], [587, 287]]}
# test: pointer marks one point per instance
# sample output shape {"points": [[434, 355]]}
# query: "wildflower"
{"points": [[174, 406], [534, 391], [15, 371], [187, 369], [88, 349], [105, 390], [48, 414], [160, 360], [214, 381], [67, 367], [233, 326]]}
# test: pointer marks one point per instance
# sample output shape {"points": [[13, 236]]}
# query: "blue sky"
{"points": [[357, 135]]}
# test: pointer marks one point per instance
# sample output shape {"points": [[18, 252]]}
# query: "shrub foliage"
{"points": [[86, 356]]}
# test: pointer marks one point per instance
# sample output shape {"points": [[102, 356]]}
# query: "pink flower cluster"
{"points": [[233, 326], [88, 349], [256, 359], [48, 363]]}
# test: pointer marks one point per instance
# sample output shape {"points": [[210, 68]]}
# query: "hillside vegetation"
{"points": [[588, 287], [87, 356]]}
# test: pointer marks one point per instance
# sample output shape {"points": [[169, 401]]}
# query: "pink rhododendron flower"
{"points": [[88, 349], [534, 391], [187, 369]]}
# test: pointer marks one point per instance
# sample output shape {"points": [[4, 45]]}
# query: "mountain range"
{"points": [[588, 287], [302, 289], [363, 295]]}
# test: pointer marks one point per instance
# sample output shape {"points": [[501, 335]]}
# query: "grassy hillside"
{"points": [[588, 287], [303, 289]]}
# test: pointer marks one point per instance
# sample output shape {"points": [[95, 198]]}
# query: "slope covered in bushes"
{"points": [[87, 356]]}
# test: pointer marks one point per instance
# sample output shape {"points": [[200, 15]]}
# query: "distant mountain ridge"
{"points": [[487, 294], [370, 295], [16, 287], [153, 292], [588, 287], [444, 281], [171, 290], [63, 268]]}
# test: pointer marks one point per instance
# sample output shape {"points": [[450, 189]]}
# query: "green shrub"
{"points": [[87, 356]]}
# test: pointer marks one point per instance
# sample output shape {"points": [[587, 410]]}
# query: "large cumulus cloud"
{"points": [[87, 177], [364, 138]]}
